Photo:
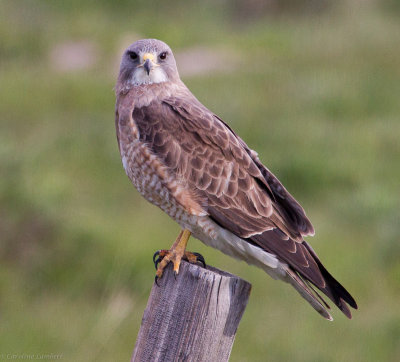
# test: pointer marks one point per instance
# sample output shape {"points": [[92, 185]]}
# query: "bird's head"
{"points": [[147, 61]]}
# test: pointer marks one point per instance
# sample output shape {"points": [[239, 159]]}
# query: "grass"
{"points": [[76, 239]]}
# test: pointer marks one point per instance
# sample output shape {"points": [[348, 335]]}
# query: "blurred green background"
{"points": [[313, 86]]}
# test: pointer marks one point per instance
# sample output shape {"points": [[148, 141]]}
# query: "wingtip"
{"points": [[324, 313], [352, 302], [344, 308], [307, 293]]}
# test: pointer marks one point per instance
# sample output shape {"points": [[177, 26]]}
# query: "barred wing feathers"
{"points": [[236, 189]]}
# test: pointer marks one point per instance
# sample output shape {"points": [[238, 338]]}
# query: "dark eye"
{"points": [[132, 55], [163, 55]]}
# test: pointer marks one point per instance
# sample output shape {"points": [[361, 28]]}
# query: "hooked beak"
{"points": [[147, 66], [148, 62]]}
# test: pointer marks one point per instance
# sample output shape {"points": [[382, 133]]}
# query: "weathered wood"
{"points": [[192, 318]]}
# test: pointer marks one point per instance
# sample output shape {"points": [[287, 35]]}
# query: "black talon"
{"points": [[155, 255], [157, 262], [200, 259], [175, 274], [156, 279]]}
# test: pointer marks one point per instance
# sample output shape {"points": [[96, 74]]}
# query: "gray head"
{"points": [[147, 61]]}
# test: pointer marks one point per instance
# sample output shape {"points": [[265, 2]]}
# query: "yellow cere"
{"points": [[148, 56]]}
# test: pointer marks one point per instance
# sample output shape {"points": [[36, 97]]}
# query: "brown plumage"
{"points": [[186, 160]]}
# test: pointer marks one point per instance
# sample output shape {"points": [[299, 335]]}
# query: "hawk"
{"points": [[186, 160]]}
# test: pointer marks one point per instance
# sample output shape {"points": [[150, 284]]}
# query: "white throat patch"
{"points": [[140, 76]]}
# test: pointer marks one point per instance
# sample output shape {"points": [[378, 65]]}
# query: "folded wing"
{"points": [[236, 189]]}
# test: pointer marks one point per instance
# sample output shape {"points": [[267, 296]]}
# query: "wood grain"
{"points": [[192, 318]]}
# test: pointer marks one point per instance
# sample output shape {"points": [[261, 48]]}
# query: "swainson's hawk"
{"points": [[186, 160]]}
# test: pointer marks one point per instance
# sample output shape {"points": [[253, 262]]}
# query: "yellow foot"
{"points": [[161, 258], [178, 251]]}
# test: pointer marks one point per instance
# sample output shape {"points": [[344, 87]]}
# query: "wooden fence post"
{"points": [[192, 318]]}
